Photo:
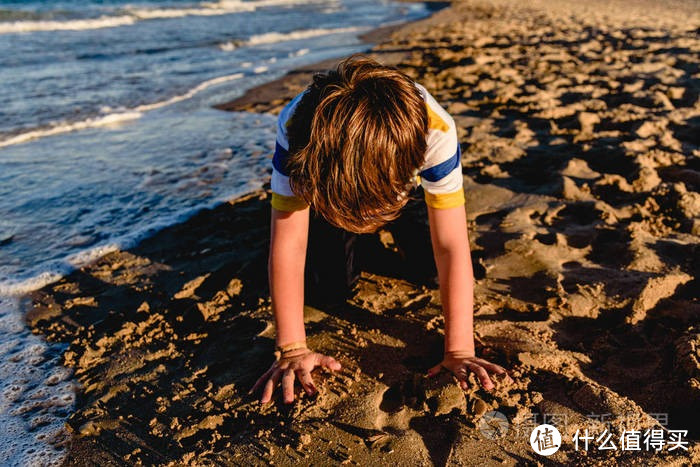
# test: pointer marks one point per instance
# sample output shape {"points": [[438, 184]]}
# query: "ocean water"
{"points": [[107, 134]]}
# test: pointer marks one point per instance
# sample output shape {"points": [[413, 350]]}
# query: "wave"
{"points": [[200, 87], [275, 37], [114, 118], [205, 9], [65, 127], [129, 16], [68, 25], [15, 289]]}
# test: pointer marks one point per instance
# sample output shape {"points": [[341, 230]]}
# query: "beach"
{"points": [[579, 126]]}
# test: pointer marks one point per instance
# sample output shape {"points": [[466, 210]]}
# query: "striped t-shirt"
{"points": [[440, 175]]}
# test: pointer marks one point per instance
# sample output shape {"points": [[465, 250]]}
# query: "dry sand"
{"points": [[580, 124]]}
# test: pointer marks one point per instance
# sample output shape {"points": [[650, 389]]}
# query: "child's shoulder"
{"points": [[287, 112], [438, 118]]}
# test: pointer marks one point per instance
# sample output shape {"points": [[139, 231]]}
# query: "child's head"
{"points": [[356, 139]]}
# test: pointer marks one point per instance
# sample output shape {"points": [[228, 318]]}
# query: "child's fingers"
{"points": [[260, 380], [434, 370], [328, 362], [288, 386], [270, 386], [482, 374], [461, 375], [306, 381], [492, 367]]}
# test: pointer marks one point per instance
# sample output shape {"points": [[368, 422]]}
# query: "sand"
{"points": [[579, 124]]}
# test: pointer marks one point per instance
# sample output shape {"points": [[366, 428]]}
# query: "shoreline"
{"points": [[583, 196]]}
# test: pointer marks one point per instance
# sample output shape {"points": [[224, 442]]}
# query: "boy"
{"points": [[350, 148]]}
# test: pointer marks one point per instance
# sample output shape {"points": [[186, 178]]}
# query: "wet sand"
{"points": [[579, 124]]}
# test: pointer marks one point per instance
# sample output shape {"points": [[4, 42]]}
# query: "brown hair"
{"points": [[355, 140]]}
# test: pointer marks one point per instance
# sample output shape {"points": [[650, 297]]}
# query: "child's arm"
{"points": [[448, 231], [288, 239]]}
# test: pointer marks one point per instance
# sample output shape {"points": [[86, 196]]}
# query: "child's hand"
{"points": [[461, 363], [299, 363]]}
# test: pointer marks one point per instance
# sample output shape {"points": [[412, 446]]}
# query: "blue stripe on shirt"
{"points": [[279, 159], [435, 173]]}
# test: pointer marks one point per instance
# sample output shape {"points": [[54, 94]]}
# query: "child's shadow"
{"points": [[402, 249]]}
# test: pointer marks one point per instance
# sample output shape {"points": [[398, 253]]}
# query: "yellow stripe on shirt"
{"points": [[435, 122], [445, 200], [287, 203]]}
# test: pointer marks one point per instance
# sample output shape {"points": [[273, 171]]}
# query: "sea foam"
{"points": [[276, 37], [112, 118], [132, 15], [15, 27], [65, 127], [36, 394]]}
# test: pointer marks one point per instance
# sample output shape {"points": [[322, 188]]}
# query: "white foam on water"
{"points": [[232, 4], [36, 394], [65, 127], [299, 53], [132, 15], [209, 9], [86, 257], [15, 27], [275, 37], [113, 118], [51, 274], [230, 46], [200, 87]]}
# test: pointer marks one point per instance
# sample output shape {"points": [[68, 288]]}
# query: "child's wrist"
{"points": [[291, 349], [460, 345], [460, 353], [300, 344]]}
